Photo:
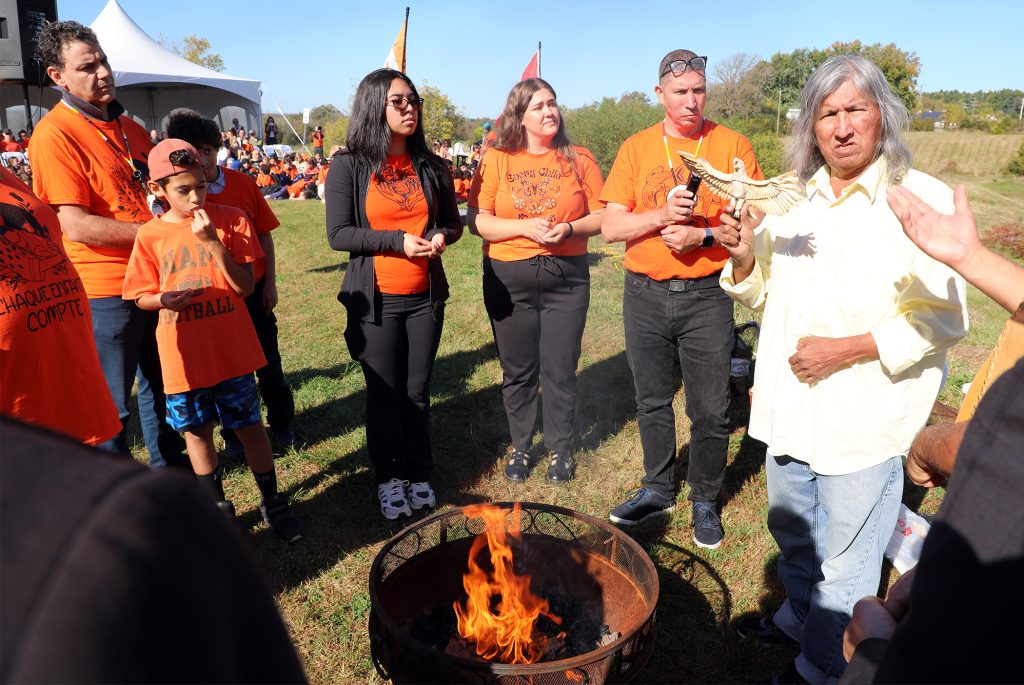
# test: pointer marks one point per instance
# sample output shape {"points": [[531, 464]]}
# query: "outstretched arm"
{"points": [[953, 240]]}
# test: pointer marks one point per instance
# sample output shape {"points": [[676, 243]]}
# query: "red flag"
{"points": [[532, 69]]}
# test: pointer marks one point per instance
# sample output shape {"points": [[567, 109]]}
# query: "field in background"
{"points": [[970, 153], [321, 583]]}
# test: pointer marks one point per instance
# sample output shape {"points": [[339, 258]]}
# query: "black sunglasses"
{"points": [[679, 67], [402, 102]]}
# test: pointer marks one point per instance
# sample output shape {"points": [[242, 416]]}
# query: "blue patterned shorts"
{"points": [[234, 402]]}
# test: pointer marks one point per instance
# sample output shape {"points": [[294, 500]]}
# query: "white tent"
{"points": [[151, 80]]}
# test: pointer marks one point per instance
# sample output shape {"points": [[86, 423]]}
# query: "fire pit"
{"points": [[599, 582]]}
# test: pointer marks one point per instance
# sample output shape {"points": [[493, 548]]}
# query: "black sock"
{"points": [[267, 483], [213, 483]]}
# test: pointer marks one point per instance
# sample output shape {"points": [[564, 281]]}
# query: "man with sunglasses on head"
{"points": [[673, 304], [89, 164]]}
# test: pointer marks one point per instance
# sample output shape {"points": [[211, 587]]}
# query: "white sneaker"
{"points": [[392, 499], [420, 495]]}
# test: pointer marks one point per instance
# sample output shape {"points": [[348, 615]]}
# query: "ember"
{"points": [[501, 613]]}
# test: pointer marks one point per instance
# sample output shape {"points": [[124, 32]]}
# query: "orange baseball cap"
{"points": [[160, 164]]}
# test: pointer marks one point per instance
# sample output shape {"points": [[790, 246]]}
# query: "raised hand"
{"points": [[202, 226], [951, 239]]}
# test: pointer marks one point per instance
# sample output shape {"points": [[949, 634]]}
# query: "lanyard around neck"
{"points": [[668, 155], [126, 156]]}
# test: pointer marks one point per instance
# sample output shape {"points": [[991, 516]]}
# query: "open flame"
{"points": [[500, 611]]}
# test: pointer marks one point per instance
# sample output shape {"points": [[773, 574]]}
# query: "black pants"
{"points": [[538, 309], [694, 320], [274, 389], [397, 357]]}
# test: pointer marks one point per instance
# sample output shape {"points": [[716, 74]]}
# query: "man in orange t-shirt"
{"points": [[89, 164], [672, 303], [50, 374]]}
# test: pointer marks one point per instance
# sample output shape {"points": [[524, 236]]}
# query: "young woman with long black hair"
{"points": [[391, 204], [534, 201]]}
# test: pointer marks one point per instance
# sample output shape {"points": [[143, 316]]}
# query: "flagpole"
{"points": [[405, 39], [538, 59]]}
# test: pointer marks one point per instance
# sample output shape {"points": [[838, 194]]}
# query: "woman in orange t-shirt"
{"points": [[391, 205], [534, 201]]}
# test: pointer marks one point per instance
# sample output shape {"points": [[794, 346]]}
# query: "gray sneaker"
{"points": [[707, 527]]}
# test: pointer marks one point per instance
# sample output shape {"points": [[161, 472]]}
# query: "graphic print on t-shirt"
{"points": [[534, 191], [27, 250], [656, 186], [401, 186]]}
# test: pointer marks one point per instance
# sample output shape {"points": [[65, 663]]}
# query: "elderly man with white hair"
{"points": [[856, 323]]}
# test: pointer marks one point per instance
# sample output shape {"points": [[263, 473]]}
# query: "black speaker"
{"points": [[20, 24]]}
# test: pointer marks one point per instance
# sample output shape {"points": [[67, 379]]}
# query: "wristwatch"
{"points": [[709, 238]]}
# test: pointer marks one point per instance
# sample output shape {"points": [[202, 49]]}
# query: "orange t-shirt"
{"points": [[520, 185], [318, 139], [50, 373], [263, 180], [396, 202], [12, 146], [72, 165], [242, 192], [641, 178], [212, 339], [295, 189], [321, 175]]}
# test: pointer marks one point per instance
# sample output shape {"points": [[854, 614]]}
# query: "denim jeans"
{"points": [[538, 309], [831, 531], [692, 319], [126, 342]]}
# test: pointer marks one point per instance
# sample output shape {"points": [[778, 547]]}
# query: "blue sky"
{"points": [[475, 51]]}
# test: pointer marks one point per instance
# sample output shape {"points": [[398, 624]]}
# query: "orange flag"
{"points": [[396, 56]]}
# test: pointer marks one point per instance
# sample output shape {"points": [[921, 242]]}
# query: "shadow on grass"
{"points": [[329, 269], [343, 517], [469, 434], [745, 464]]}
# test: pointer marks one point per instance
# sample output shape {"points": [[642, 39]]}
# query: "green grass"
{"points": [[321, 583]]}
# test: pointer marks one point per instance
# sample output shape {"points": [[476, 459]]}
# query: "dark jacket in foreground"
{"points": [[348, 229], [113, 573], [964, 622]]}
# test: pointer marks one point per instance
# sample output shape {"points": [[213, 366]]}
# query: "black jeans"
{"points": [[274, 389], [694, 319], [397, 357], [538, 309]]}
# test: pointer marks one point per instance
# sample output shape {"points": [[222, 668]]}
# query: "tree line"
{"points": [[745, 92]]}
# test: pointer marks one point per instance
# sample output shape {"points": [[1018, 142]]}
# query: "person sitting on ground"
{"points": [[973, 558], [199, 295], [231, 188]]}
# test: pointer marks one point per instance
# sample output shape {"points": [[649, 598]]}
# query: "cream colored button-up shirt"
{"points": [[838, 267]]}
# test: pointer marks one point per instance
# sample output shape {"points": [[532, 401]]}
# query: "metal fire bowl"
{"points": [[604, 571]]}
